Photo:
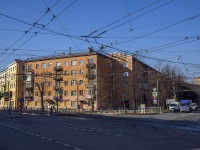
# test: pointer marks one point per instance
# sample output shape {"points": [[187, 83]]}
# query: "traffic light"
{"points": [[10, 94]]}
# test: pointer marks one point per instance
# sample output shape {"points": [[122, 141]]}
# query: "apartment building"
{"points": [[88, 80], [10, 80], [132, 81], [68, 81]]}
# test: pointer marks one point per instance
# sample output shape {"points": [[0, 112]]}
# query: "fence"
{"points": [[103, 111]]}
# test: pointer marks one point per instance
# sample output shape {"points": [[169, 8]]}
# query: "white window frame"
{"points": [[73, 62], [81, 62]]}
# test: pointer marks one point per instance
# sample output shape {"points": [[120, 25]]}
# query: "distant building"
{"points": [[10, 80]]}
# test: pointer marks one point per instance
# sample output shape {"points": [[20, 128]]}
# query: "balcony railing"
{"points": [[91, 65], [29, 85], [92, 86], [30, 70], [57, 87], [58, 68], [89, 96], [58, 78], [90, 76]]}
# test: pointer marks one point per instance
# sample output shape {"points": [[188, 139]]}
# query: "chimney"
{"points": [[90, 50]]}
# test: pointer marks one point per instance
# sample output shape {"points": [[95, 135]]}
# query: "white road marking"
{"points": [[67, 145]]}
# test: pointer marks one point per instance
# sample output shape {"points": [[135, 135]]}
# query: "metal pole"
{"points": [[77, 94], [9, 98]]}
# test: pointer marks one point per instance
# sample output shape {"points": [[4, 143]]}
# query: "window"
{"points": [[66, 63], [58, 64], [80, 92], [89, 92], [73, 72], [44, 93], [23, 68], [90, 61], [81, 62], [50, 65], [66, 83], [73, 62], [29, 66], [73, 82], [36, 93], [66, 73], [125, 74], [125, 64], [50, 74], [49, 93], [43, 65], [43, 74], [81, 71], [37, 66], [73, 93], [73, 103], [36, 103], [80, 82], [65, 93]]}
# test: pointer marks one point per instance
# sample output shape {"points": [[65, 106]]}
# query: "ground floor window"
{"points": [[73, 103]]}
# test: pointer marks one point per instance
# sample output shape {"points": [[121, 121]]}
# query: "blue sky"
{"points": [[153, 29]]}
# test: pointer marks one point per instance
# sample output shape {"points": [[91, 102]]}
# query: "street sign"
{"points": [[154, 94], [24, 77], [21, 100], [5, 94], [155, 102], [60, 92], [6, 99]]}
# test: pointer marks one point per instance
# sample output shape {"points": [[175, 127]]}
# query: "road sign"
{"points": [[21, 100], [6, 99], [155, 102], [24, 77], [154, 94], [5, 94]]}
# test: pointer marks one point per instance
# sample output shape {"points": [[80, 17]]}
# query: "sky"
{"points": [[164, 31]]}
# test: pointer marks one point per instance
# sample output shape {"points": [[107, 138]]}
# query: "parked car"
{"points": [[194, 106]]}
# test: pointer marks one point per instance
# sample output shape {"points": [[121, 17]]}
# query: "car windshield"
{"points": [[173, 105], [184, 104], [194, 104]]}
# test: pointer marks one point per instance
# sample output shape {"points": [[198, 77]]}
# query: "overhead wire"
{"points": [[27, 30], [54, 16], [62, 25]]}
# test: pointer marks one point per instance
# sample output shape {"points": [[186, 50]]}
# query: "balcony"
{"points": [[58, 78], [90, 76], [89, 96], [57, 88], [58, 68], [90, 86], [29, 86], [91, 65], [29, 70]]}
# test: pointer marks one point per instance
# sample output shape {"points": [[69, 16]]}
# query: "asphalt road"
{"points": [[167, 131]]}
